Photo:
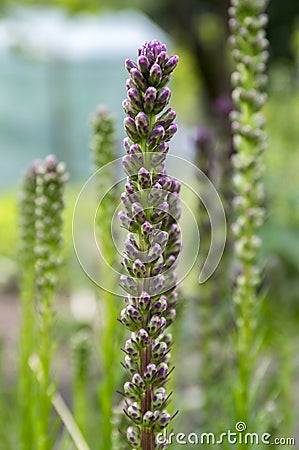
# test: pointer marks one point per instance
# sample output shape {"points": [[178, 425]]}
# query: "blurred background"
{"points": [[60, 59]]}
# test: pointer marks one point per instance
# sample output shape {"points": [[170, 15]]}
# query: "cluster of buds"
{"points": [[27, 215], [249, 50], [103, 141], [151, 212], [104, 152], [51, 177], [81, 350]]}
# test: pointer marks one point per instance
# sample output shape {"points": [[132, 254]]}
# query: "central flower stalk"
{"points": [[151, 211]]}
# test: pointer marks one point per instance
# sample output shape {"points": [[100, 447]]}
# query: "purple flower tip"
{"points": [[51, 162], [223, 105], [203, 137], [152, 49]]}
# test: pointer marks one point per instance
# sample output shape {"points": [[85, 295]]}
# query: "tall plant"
{"points": [[27, 295], [41, 207], [151, 202], [41, 227], [249, 52]]}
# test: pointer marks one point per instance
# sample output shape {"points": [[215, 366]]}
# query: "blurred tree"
{"points": [[199, 25]]}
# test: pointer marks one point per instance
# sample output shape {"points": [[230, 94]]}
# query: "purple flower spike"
{"points": [[151, 200]]}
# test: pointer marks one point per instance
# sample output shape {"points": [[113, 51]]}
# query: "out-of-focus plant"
{"points": [[152, 209], [104, 152], [212, 309], [28, 295], [50, 183], [41, 209], [81, 347], [249, 51]]}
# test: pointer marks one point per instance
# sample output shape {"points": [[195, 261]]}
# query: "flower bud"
{"points": [[133, 437], [155, 75], [142, 338], [162, 100], [143, 64], [150, 373], [148, 419], [145, 302], [135, 99], [138, 78], [159, 398], [144, 178], [156, 325], [129, 284], [129, 64], [163, 421], [171, 64], [150, 96], [138, 382], [142, 124], [130, 391], [131, 129], [134, 412], [155, 137], [139, 269], [138, 212]]}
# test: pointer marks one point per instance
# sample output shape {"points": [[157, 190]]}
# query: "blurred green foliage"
{"points": [[8, 223]]}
